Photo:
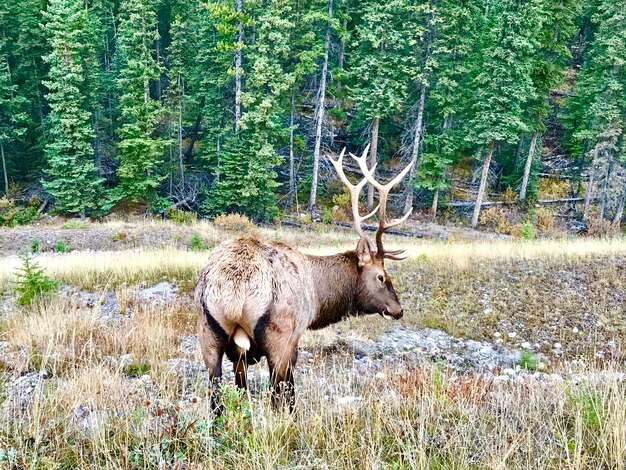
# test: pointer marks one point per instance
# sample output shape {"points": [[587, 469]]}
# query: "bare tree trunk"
{"points": [[372, 158], [4, 170], [482, 187], [605, 189], [590, 185], [292, 158], [319, 115], [180, 134], [433, 208], [529, 162], [238, 68], [342, 53], [617, 220], [417, 139]]}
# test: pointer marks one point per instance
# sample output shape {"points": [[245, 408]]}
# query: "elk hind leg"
{"points": [[213, 341]]}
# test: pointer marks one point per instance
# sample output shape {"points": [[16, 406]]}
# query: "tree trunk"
{"points": [[319, 115], [417, 139], [617, 220], [180, 134], [372, 158], [605, 189], [292, 159], [4, 170], [238, 68], [482, 187], [529, 162], [433, 208], [195, 131], [590, 185]]}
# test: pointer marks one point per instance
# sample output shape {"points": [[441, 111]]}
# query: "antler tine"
{"points": [[383, 192], [355, 191]]}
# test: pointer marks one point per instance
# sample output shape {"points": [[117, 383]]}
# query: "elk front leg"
{"points": [[213, 341]]}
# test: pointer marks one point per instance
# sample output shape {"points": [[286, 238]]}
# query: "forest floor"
{"points": [[510, 354]]}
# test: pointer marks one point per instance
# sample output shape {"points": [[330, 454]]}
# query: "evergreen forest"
{"points": [[231, 106]]}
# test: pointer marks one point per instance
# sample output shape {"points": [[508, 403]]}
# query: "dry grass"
{"points": [[94, 413]]}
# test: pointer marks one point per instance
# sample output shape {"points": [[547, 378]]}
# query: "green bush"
{"points": [[32, 281], [528, 231], [75, 224], [327, 217], [137, 369], [61, 246], [528, 360], [12, 215], [180, 216], [35, 245], [197, 244]]}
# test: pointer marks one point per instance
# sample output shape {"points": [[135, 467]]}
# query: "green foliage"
{"points": [[32, 281], [13, 216], [73, 178], [75, 224], [327, 216], [528, 360], [197, 244], [35, 245], [137, 369], [180, 216], [528, 231], [61, 246]]}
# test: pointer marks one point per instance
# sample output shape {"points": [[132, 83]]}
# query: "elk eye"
{"points": [[381, 278]]}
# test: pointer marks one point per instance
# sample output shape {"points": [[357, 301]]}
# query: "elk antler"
{"points": [[383, 192], [355, 190]]}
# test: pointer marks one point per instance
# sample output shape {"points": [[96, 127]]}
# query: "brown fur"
{"points": [[274, 293]]}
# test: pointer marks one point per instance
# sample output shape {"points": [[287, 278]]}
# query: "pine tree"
{"points": [[141, 149], [502, 81], [73, 179]]}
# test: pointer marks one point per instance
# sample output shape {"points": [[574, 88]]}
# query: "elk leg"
{"points": [[281, 361], [213, 341]]}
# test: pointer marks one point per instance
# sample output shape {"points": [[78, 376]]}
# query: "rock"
{"points": [[348, 400], [21, 392], [158, 293]]}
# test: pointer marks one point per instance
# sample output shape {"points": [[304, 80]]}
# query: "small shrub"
{"points": [[528, 360], [32, 281], [234, 223], [528, 231], [339, 214], [35, 245], [137, 369], [197, 244], [600, 227], [327, 216], [119, 236], [342, 199], [12, 216], [305, 218], [509, 196], [180, 216], [545, 220], [496, 219], [75, 224], [61, 246]]}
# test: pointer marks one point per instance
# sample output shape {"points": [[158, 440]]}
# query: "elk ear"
{"points": [[363, 252]]}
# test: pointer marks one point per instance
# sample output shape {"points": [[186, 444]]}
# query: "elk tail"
{"points": [[241, 339]]}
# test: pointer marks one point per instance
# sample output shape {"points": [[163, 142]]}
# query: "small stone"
{"points": [[512, 334], [348, 400], [499, 341], [497, 334], [526, 345], [541, 366], [575, 330], [509, 371], [380, 375], [557, 346]]}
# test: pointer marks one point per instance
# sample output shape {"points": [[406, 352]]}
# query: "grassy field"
{"points": [[104, 393]]}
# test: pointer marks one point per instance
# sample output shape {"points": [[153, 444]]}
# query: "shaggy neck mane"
{"points": [[334, 280]]}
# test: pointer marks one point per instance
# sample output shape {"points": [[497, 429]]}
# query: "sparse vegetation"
{"points": [[32, 281], [236, 223], [115, 396], [75, 224], [197, 244], [180, 216], [61, 246], [35, 245]]}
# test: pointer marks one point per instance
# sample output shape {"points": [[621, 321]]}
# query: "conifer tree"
{"points": [[72, 177], [141, 149]]}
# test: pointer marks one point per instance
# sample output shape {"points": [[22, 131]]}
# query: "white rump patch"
{"points": [[241, 339]]}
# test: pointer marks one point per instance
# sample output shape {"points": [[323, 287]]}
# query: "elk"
{"points": [[258, 297]]}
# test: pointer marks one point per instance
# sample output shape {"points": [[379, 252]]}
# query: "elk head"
{"points": [[374, 292]]}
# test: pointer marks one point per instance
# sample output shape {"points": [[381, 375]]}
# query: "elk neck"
{"points": [[335, 283]]}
